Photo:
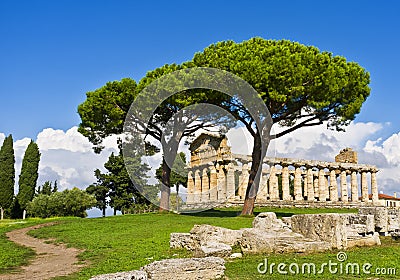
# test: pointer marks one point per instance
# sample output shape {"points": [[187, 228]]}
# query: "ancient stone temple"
{"points": [[217, 176]]}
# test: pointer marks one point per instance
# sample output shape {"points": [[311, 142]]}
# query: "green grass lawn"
{"points": [[128, 242]]}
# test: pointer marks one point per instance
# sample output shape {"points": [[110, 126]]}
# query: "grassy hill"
{"points": [[128, 242]]}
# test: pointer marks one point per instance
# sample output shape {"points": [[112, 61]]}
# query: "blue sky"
{"points": [[53, 52]]}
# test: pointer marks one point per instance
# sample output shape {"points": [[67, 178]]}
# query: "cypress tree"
{"points": [[29, 175], [7, 174]]}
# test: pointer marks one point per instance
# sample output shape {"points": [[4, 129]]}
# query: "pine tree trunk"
{"points": [[165, 187], [170, 152], [254, 178], [104, 211], [2, 213]]}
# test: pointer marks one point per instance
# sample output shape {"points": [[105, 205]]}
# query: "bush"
{"points": [[73, 202]]}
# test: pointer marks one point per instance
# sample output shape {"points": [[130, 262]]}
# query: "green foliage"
{"points": [[7, 173], [29, 175], [295, 81], [72, 202], [122, 190], [16, 211], [100, 193], [104, 110], [46, 189], [55, 188]]}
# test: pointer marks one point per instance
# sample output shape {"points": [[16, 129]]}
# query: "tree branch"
{"points": [[297, 126]]}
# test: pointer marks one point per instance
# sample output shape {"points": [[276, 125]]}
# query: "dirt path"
{"points": [[51, 260]]}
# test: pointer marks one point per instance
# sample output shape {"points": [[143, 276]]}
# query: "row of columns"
{"points": [[217, 184], [314, 185], [211, 185]]}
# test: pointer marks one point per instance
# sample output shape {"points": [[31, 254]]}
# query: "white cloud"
{"points": [[320, 143], [71, 140], [67, 157], [2, 137], [388, 153]]}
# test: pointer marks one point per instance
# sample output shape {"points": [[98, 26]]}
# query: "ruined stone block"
{"points": [[186, 269], [330, 228]]}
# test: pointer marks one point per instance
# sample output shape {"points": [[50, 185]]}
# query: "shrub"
{"points": [[72, 202]]}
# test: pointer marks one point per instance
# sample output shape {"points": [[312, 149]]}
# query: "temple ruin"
{"points": [[217, 176]]}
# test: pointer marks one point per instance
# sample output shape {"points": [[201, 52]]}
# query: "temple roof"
{"points": [[207, 140]]}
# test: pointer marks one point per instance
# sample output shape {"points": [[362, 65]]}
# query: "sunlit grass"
{"points": [[128, 242]]}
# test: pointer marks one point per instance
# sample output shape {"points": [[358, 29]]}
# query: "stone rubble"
{"points": [[209, 268], [300, 233]]}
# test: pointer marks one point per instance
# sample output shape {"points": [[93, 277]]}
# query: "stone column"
{"points": [[243, 181], [305, 192], [273, 185], [316, 187], [297, 184], [354, 187], [326, 187], [221, 184], [230, 182], [333, 189], [310, 185], [321, 185], [285, 184], [343, 186], [263, 189], [197, 186], [374, 188], [190, 189], [205, 187], [364, 187], [213, 184]]}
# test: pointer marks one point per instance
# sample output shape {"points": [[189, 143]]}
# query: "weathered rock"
{"points": [[214, 249], [330, 228], [372, 240], [267, 221], [258, 241], [180, 240], [203, 234], [134, 274], [186, 269], [360, 224], [380, 215], [287, 221], [393, 222], [236, 256], [255, 241]]}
